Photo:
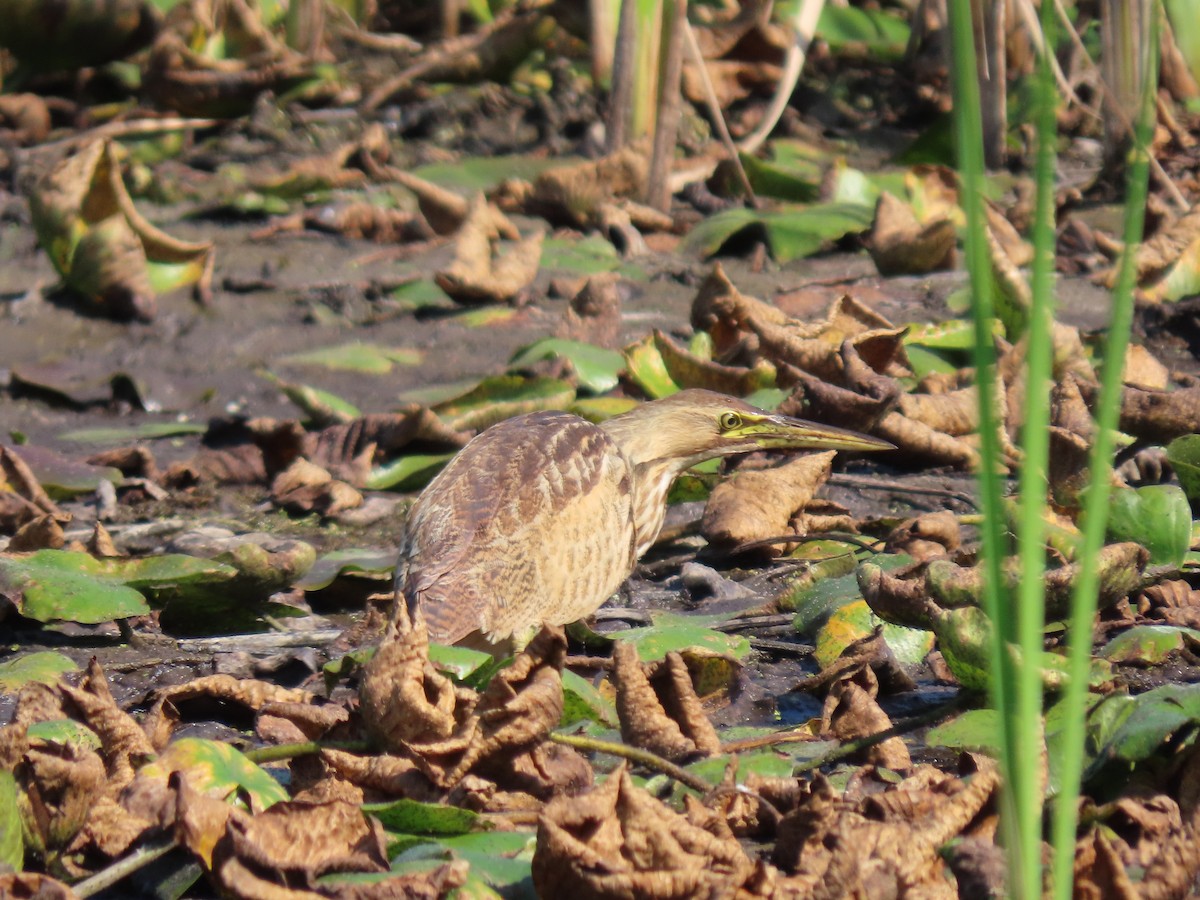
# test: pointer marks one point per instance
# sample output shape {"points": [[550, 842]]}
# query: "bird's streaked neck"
{"points": [[651, 481]]}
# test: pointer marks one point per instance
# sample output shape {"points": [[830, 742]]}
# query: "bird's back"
{"points": [[530, 522]]}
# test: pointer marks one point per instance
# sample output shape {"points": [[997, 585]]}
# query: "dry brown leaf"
{"points": [[60, 784], [110, 828], [901, 245], [851, 712], [521, 706], [821, 401], [24, 119], [124, 743], [619, 842], [282, 851], [22, 498], [594, 314], [410, 707], [1158, 416], [42, 533], [658, 708], [926, 443], [478, 273], [304, 487], [927, 536], [755, 505], [1143, 370], [248, 692], [574, 192], [690, 371], [955, 413], [842, 848], [349, 450], [385, 775], [32, 886]]}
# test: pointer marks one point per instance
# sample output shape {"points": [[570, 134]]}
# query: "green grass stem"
{"points": [[1107, 412], [1033, 482], [1023, 862]]}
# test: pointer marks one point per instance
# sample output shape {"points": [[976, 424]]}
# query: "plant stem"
{"points": [[1084, 598], [634, 754], [1023, 861], [1035, 441]]}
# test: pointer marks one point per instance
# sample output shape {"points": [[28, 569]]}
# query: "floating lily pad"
{"points": [[596, 368], [1156, 516], [62, 477], [219, 770], [330, 565], [52, 585], [855, 621], [502, 397], [408, 473], [1148, 644], [413, 817], [44, 667], [370, 359], [675, 632], [149, 431], [791, 232], [586, 256]]}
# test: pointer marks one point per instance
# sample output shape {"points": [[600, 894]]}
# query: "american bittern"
{"points": [[540, 518]]}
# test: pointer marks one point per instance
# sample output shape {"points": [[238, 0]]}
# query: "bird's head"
{"points": [[694, 425]]}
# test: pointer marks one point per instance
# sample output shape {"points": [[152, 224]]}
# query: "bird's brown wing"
{"points": [[530, 523]]}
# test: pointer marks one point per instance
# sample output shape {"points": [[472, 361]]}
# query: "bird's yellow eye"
{"points": [[729, 421]]}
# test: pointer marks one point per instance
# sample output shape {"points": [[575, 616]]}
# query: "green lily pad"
{"points": [[65, 585], [322, 407], [481, 173], [596, 368], [1156, 516], [219, 770], [675, 632], [46, 591], [502, 397], [791, 232], [44, 667], [461, 663], [423, 294], [1154, 718], [63, 733], [648, 370], [1184, 455], [583, 703], [149, 431], [370, 359], [855, 621], [1148, 644], [585, 256], [824, 590], [330, 565], [875, 31], [406, 473], [413, 817], [975, 730]]}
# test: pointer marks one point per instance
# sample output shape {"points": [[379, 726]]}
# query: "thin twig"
{"points": [[804, 27], [303, 748], [1109, 100], [634, 754], [875, 484], [138, 859], [714, 111]]}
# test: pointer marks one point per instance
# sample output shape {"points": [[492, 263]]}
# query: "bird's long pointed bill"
{"points": [[781, 432]]}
